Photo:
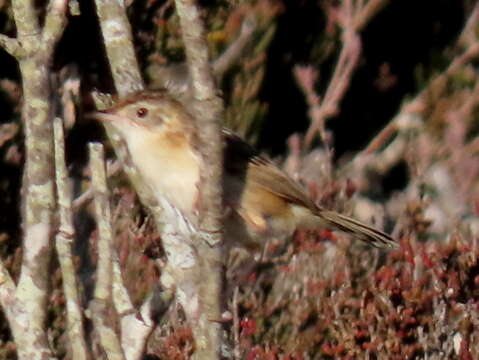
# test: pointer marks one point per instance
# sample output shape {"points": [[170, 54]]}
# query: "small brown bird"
{"points": [[264, 202]]}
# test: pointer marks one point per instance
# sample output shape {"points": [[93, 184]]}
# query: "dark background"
{"points": [[411, 37]]}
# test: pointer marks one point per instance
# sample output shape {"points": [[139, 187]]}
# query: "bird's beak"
{"points": [[104, 116]]}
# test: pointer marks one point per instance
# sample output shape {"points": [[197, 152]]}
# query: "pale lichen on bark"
{"points": [[195, 266], [118, 43], [64, 242], [102, 302], [208, 107], [34, 48]]}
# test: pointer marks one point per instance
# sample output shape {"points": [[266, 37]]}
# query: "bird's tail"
{"points": [[362, 231]]}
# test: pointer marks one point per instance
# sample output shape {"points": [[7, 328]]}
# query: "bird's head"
{"points": [[148, 113]]}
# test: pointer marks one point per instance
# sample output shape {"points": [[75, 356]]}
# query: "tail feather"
{"points": [[362, 231]]}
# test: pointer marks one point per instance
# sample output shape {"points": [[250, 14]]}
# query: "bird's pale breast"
{"points": [[172, 171]]}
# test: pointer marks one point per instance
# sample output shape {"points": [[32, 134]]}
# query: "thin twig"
{"points": [[236, 325], [55, 22], [207, 329], [176, 78], [28, 329], [118, 41], [7, 288], [347, 63], [102, 303], [137, 326], [367, 12], [64, 242], [231, 54], [410, 114], [468, 34], [12, 46], [87, 195]]}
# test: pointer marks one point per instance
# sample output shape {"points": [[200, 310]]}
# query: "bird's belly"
{"points": [[180, 188], [258, 216]]}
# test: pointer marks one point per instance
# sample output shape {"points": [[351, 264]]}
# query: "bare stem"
{"points": [[118, 41], [224, 62], [34, 56], [102, 304], [329, 106], [64, 242], [352, 16], [208, 106], [135, 328]]}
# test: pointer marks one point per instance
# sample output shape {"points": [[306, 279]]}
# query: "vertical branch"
{"points": [[208, 116], [117, 37], [199, 298], [197, 57], [208, 108], [135, 328], [102, 309], [64, 242], [34, 48], [118, 42], [38, 185], [116, 32]]}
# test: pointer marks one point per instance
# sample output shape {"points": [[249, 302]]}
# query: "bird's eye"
{"points": [[142, 112]]}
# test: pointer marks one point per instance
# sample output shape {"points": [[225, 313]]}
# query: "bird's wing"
{"points": [[243, 162]]}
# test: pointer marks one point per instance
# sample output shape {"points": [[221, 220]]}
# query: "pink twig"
{"points": [[322, 109]]}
